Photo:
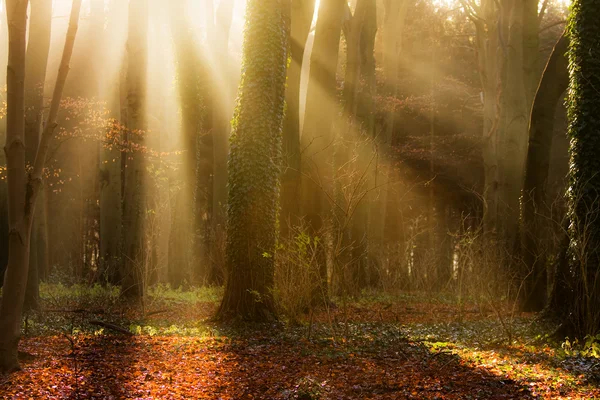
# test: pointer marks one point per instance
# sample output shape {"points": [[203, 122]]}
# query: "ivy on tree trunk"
{"points": [[584, 190], [255, 164]]}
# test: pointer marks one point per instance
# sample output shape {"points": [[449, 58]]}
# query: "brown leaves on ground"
{"points": [[111, 367], [358, 351]]}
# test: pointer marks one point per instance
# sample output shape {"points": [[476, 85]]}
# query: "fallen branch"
{"points": [[112, 327], [156, 312], [76, 311]]}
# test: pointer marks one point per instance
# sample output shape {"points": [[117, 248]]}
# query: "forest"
{"points": [[300, 199]]}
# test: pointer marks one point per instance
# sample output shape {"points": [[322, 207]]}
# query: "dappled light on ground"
{"points": [[402, 347], [260, 367]]}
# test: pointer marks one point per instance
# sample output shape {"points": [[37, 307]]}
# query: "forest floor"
{"points": [[378, 347]]}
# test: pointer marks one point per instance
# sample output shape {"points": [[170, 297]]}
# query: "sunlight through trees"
{"points": [[386, 182]]}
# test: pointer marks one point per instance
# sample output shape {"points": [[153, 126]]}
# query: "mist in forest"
{"points": [[291, 157], [393, 145], [383, 158]]}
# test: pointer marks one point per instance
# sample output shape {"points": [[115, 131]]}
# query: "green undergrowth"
{"points": [[57, 293], [164, 310]]}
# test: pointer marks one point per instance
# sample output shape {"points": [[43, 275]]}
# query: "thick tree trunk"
{"points": [[38, 48], [533, 202], [584, 190], [255, 164], [134, 268], [302, 16], [317, 135], [23, 190]]}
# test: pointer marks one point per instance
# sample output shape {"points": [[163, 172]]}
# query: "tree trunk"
{"points": [[302, 16], [38, 48], [23, 189], [555, 81], [531, 49], [343, 272], [15, 281], [368, 37], [193, 182], [134, 269], [489, 27], [369, 256], [584, 190], [560, 299], [395, 12], [317, 135], [3, 187], [221, 129], [255, 165], [515, 116], [111, 206]]}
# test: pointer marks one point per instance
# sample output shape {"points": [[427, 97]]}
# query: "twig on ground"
{"points": [[112, 327]]}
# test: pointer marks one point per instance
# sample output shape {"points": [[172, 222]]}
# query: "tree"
{"points": [[111, 207], [24, 188], [490, 28], [555, 80], [3, 187], [133, 264], [301, 19], [513, 128], [223, 100], [255, 164], [350, 211], [394, 21], [584, 180], [317, 134], [366, 257], [194, 181], [38, 48]]}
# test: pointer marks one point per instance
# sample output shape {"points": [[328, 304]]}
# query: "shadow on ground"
{"points": [[262, 364]]}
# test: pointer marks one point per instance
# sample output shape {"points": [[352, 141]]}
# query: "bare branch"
{"points": [[542, 11], [544, 29]]}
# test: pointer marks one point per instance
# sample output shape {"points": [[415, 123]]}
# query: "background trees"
{"points": [[402, 155], [134, 197], [24, 188]]}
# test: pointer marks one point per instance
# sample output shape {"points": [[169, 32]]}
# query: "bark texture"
{"points": [[255, 164], [584, 189]]}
